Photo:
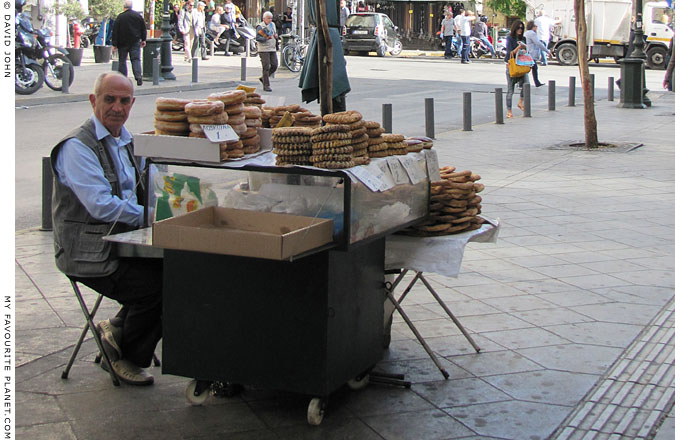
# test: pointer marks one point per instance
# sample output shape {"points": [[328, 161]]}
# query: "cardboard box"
{"points": [[148, 144], [243, 233]]}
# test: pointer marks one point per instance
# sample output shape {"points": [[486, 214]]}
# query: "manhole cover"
{"points": [[614, 147]]}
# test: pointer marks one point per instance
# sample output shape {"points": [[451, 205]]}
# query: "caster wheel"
{"points": [[197, 398], [358, 382], [315, 411]]}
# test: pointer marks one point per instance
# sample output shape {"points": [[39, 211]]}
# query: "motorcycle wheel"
{"points": [[84, 41], [396, 49], [27, 79], [253, 48], [53, 69]]}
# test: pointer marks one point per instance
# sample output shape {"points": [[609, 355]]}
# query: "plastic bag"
{"points": [[179, 194]]}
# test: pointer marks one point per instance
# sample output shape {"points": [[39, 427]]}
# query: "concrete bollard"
{"points": [[156, 70], [387, 118], [65, 78], [527, 100], [114, 66], [195, 70], [429, 117], [552, 95], [591, 80], [243, 69], [467, 111], [571, 91], [611, 83], [498, 98], [47, 195]]}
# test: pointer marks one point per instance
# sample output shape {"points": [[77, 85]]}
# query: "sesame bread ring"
{"points": [[347, 117], [335, 150], [435, 228], [359, 132], [252, 112], [234, 109], [228, 98], [234, 153], [234, 145], [217, 119], [393, 137], [251, 142], [291, 152], [249, 149], [171, 104], [379, 147], [236, 119], [364, 160], [196, 128], [372, 124], [335, 164], [170, 116], [252, 122], [331, 128], [360, 146], [240, 129], [331, 144], [375, 140], [459, 228], [331, 136], [382, 153], [331, 157], [357, 125], [372, 132], [205, 108], [171, 127], [478, 187], [251, 132], [292, 131]]}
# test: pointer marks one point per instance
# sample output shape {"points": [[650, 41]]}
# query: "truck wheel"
{"points": [[566, 54], [656, 58]]}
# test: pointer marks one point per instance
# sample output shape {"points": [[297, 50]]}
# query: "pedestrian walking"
{"points": [[669, 82], [129, 36], [463, 27], [267, 42], [545, 25], [199, 29], [514, 43], [186, 29], [481, 31], [344, 13], [447, 30], [534, 48]]}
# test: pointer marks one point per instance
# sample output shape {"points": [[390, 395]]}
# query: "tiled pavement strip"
{"points": [[566, 308]]}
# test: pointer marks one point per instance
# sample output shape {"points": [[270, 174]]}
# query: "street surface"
{"points": [[402, 82]]}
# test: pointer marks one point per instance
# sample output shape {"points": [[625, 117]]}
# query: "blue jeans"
{"points": [[544, 54], [511, 87], [134, 53], [448, 39], [465, 48], [491, 48]]}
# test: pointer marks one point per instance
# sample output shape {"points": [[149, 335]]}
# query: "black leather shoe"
{"points": [[539, 85], [268, 89], [140, 81]]}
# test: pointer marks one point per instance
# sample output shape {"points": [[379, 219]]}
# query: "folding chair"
{"points": [[89, 315]]}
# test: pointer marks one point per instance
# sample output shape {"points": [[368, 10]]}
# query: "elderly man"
{"points": [[129, 36], [98, 191], [267, 37], [199, 31]]}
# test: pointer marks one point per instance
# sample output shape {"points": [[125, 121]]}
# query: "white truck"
{"points": [[608, 28]]}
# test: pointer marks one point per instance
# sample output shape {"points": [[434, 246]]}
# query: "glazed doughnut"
{"points": [[229, 98], [217, 119], [170, 116], [205, 108], [171, 104], [171, 127]]}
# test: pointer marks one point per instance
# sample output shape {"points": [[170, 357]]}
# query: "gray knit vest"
{"points": [[80, 250]]}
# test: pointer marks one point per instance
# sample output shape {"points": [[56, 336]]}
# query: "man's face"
{"points": [[113, 103], [268, 20], [176, 8], [342, 3]]}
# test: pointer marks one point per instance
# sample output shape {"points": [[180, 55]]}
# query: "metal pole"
{"points": [[467, 111], [387, 118], [527, 100], [166, 44], [571, 92], [114, 66], [155, 70], [195, 70], [429, 117], [65, 78], [552, 95], [591, 80], [611, 82], [243, 69], [47, 196], [498, 98]]}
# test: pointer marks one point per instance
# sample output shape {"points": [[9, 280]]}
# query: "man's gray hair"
{"points": [[102, 76], [128, 4], [268, 14]]}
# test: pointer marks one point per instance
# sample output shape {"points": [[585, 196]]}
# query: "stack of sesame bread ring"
{"points": [[170, 118], [292, 145], [332, 146], [396, 144], [202, 112], [376, 146], [254, 99]]}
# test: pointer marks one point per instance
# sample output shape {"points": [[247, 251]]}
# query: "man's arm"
{"points": [[79, 169]]}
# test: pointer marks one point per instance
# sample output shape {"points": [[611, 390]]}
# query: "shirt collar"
{"points": [[102, 132]]}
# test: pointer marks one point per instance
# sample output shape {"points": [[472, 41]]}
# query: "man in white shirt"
{"points": [[463, 27], [544, 25]]}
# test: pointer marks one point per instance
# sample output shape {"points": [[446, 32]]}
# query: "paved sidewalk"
{"points": [[573, 309]]}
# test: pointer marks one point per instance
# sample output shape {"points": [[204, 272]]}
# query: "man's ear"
{"points": [[92, 100]]}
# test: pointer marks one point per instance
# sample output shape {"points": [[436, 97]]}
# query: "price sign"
{"points": [[219, 133], [397, 170], [432, 165], [380, 169], [414, 169], [366, 177]]}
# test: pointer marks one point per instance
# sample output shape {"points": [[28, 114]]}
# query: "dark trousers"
{"points": [[448, 40], [465, 48], [137, 285], [134, 53], [535, 73], [269, 64]]}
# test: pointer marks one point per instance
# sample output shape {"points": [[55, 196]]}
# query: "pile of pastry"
{"points": [[292, 145], [343, 122], [455, 205], [301, 117]]}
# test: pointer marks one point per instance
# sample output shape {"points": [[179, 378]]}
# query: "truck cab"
{"points": [[657, 19]]}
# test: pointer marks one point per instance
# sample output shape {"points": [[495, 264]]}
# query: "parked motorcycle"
{"points": [[28, 73], [501, 47], [243, 32], [478, 48], [177, 41]]}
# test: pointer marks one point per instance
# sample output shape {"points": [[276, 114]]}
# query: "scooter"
{"points": [[243, 32], [478, 48]]}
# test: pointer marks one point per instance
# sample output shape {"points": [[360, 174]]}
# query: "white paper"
{"points": [[414, 169], [363, 175], [432, 166], [380, 169], [400, 176], [219, 133]]}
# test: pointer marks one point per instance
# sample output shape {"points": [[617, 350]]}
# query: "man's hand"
{"points": [[143, 44]]}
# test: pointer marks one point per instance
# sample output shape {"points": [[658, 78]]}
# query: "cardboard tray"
{"points": [[243, 233]]}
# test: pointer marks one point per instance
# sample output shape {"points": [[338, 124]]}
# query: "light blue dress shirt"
{"points": [[79, 169]]}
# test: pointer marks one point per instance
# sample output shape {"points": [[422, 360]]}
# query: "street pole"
{"points": [[639, 52], [166, 44]]}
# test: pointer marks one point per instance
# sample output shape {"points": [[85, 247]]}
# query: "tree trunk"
{"points": [[325, 60], [591, 139]]}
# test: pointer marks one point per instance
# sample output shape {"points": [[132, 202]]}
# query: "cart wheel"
{"points": [[358, 382], [315, 411], [196, 399]]}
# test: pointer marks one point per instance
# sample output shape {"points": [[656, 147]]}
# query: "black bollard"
{"points": [[611, 83], [429, 117], [591, 80], [47, 196], [552, 95], [195, 70], [114, 66], [527, 100], [467, 111], [387, 118], [65, 78], [243, 69], [156, 70], [571, 92], [498, 98]]}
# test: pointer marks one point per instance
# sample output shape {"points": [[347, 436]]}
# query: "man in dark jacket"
{"points": [[129, 36]]}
